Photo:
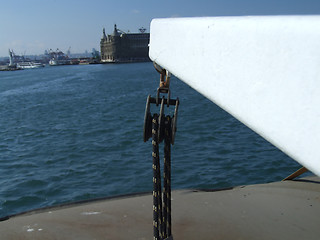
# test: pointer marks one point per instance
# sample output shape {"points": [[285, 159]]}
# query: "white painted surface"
{"points": [[265, 71]]}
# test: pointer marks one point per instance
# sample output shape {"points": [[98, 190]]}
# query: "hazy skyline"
{"points": [[33, 26]]}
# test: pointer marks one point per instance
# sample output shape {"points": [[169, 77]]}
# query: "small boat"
{"points": [[84, 61], [57, 62], [18, 62], [53, 62], [58, 58], [30, 65]]}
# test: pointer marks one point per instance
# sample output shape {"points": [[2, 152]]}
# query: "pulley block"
{"points": [[147, 127]]}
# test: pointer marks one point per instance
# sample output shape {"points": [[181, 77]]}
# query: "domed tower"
{"points": [[104, 36], [123, 46], [115, 31], [103, 44]]}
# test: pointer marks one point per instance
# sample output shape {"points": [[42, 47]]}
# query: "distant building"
{"points": [[125, 47]]}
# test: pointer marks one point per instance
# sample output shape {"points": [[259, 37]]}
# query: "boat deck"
{"points": [[280, 210]]}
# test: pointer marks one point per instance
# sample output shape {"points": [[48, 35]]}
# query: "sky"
{"points": [[33, 26]]}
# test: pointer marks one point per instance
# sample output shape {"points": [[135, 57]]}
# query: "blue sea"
{"points": [[72, 133]]}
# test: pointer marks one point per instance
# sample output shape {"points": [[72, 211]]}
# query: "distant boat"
{"points": [[84, 61], [56, 62], [59, 61], [53, 62], [29, 65], [18, 62], [58, 58]]}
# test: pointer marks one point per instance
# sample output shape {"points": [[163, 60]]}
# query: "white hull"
{"points": [[57, 62], [29, 65], [262, 70]]}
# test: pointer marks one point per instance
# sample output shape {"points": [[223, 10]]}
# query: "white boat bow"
{"points": [[264, 70]]}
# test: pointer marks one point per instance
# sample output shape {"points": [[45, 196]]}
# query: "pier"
{"points": [[8, 68]]}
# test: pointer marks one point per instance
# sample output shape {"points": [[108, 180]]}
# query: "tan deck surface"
{"points": [[282, 210]]}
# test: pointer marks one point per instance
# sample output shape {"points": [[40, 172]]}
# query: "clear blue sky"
{"points": [[32, 26]]}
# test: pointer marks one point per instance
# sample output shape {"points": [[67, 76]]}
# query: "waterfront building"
{"points": [[125, 47]]}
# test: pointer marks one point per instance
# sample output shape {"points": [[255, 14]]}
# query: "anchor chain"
{"points": [[161, 128]]}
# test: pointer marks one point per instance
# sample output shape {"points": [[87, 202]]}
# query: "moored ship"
{"points": [[20, 62], [30, 65], [58, 58]]}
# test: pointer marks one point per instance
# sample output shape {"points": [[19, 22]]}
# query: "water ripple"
{"points": [[76, 134]]}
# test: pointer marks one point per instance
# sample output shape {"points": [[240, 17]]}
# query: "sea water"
{"points": [[71, 133]]}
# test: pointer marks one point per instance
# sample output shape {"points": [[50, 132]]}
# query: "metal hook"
{"points": [[147, 121], [165, 76], [174, 122], [161, 122]]}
